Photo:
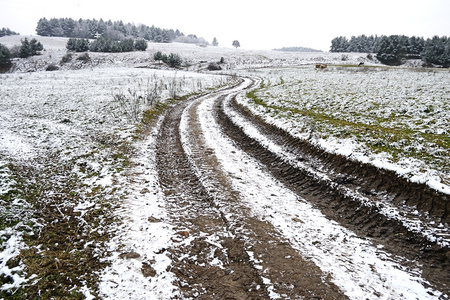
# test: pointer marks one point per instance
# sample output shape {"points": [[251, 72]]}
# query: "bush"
{"points": [[174, 60], [140, 45], [66, 58], [214, 67], [84, 58], [52, 67]]}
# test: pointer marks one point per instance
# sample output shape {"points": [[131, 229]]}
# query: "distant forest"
{"points": [[395, 49], [6, 32], [114, 30], [297, 49]]}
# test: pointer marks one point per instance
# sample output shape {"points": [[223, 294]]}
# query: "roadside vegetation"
{"points": [[396, 115]]}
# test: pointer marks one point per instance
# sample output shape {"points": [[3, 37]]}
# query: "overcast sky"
{"points": [[256, 24]]}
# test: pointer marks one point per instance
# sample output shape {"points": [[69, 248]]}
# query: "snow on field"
{"points": [[73, 117], [393, 118], [73, 113], [361, 270]]}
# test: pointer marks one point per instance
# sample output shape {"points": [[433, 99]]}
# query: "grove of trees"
{"points": [[395, 49], [30, 48], [106, 45], [6, 32], [114, 30]]}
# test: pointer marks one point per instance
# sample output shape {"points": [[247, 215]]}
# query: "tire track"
{"points": [[331, 182], [221, 250]]}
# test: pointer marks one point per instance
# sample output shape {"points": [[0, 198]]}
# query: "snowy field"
{"points": [[68, 126], [394, 118]]}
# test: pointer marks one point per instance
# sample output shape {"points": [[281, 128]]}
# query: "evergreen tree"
{"points": [[215, 42], [437, 51], [392, 49], [127, 45], [140, 45], [339, 44], [174, 60], [25, 49], [5, 57], [7, 32], [44, 28]]}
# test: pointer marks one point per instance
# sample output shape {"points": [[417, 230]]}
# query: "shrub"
{"points": [[158, 56], [174, 60], [84, 58], [52, 67], [214, 67], [66, 58], [140, 45]]}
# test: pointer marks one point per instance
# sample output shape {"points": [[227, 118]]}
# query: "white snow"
{"points": [[71, 110], [398, 99], [358, 268]]}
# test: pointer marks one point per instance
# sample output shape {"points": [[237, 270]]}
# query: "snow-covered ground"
{"points": [[73, 113], [361, 270], [396, 118], [73, 117]]}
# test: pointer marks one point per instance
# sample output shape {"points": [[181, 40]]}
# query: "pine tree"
{"points": [[392, 49], [44, 28], [437, 51], [215, 43], [5, 57]]}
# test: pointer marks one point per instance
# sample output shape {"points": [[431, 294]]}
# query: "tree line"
{"points": [[296, 49], [7, 32], [106, 45], [395, 49], [113, 30]]}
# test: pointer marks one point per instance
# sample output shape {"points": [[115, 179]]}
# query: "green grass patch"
{"points": [[376, 137]]}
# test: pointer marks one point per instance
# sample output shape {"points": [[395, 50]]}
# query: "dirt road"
{"points": [[260, 214]]}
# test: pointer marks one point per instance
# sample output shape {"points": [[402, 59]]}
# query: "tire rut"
{"points": [[333, 199], [221, 252]]}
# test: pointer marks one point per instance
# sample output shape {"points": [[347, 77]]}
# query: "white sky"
{"points": [[256, 24]]}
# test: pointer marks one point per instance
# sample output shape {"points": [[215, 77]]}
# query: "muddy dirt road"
{"points": [[260, 214]]}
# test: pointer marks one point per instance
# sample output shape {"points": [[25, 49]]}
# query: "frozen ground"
{"points": [[71, 117], [396, 119]]}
